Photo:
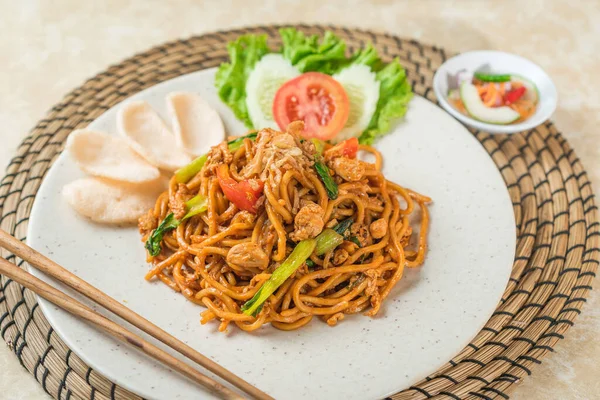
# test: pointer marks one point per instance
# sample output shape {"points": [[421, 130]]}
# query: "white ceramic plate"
{"points": [[429, 317], [499, 62]]}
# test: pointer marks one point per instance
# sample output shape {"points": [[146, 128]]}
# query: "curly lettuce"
{"points": [[308, 54], [367, 56], [326, 54], [232, 76], [395, 93]]}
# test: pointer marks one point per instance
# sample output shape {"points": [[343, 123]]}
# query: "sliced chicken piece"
{"points": [[178, 199], [249, 255], [378, 228], [348, 168], [361, 232], [308, 223], [150, 137], [197, 126], [105, 156], [147, 222]]}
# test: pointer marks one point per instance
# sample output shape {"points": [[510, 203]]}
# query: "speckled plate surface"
{"points": [[431, 315]]}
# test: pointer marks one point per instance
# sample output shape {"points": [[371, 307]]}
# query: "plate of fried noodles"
{"points": [[313, 268]]}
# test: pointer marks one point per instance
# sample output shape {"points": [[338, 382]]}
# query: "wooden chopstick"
{"points": [[54, 270], [76, 308]]}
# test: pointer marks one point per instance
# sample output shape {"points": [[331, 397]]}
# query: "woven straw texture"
{"points": [[555, 213]]}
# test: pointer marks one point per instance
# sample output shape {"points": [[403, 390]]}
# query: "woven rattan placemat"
{"points": [[556, 219]]}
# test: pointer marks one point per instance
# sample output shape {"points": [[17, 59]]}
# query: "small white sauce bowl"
{"points": [[501, 63]]}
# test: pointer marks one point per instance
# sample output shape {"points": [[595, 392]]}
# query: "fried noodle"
{"points": [[219, 259]]}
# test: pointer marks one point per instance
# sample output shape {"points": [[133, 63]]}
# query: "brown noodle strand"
{"points": [[275, 220]]}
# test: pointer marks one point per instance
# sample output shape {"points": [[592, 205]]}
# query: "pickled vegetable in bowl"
{"points": [[494, 98]]}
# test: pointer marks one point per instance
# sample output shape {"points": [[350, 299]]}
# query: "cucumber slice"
{"points": [[476, 109], [453, 94], [266, 78], [362, 89], [532, 93]]}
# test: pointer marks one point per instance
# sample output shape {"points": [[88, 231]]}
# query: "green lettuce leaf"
{"points": [[308, 54], [395, 93], [369, 57], [231, 77], [311, 53]]}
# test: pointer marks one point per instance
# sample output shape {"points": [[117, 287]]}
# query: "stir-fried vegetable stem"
{"points": [[343, 226], [153, 242], [327, 241], [319, 145], [297, 257], [195, 206], [184, 174], [323, 171], [237, 143]]}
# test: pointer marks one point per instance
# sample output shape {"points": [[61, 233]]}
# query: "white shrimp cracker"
{"points": [[106, 156], [197, 126], [149, 136], [111, 202]]}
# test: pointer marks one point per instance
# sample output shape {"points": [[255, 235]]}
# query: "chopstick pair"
{"points": [[73, 306]]}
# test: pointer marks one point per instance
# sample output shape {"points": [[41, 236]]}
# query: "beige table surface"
{"points": [[49, 47]]}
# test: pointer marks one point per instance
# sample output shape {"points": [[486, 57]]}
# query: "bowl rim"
{"points": [[530, 123]]}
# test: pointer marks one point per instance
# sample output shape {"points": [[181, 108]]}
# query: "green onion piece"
{"points": [[492, 77], [327, 241], [195, 206], [319, 145], [184, 174], [355, 240], [310, 263], [237, 143], [343, 226], [298, 256], [153, 242], [330, 186]]}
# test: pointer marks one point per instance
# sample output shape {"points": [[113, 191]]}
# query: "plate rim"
{"points": [[44, 305]]}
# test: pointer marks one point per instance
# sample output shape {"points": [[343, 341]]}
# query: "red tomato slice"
{"points": [[347, 148], [514, 95], [350, 147], [243, 194], [315, 98]]}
